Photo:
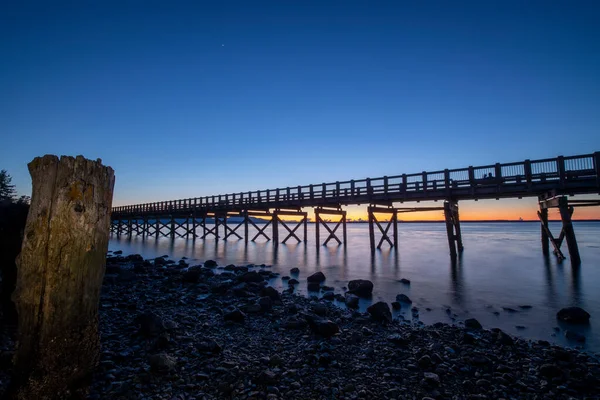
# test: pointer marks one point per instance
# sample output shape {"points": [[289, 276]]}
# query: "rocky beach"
{"points": [[170, 330]]}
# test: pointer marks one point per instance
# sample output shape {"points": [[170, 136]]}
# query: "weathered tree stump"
{"points": [[59, 276]]}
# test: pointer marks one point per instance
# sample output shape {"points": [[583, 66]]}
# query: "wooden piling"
{"points": [[371, 228], [60, 272], [565, 215], [458, 234], [450, 229], [543, 215]]}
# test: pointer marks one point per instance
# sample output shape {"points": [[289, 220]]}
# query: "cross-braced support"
{"points": [[392, 223], [284, 223], [319, 221], [453, 228], [566, 208], [261, 230]]}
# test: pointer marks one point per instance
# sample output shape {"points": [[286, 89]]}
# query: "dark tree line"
{"points": [[13, 215]]}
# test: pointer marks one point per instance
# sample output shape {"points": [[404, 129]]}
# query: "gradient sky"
{"points": [[186, 99]]}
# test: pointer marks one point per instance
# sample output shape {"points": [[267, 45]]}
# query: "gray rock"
{"points": [[380, 311], [317, 277], [351, 300], [361, 287], [472, 323], [162, 362], [234, 315], [402, 298], [573, 315]]}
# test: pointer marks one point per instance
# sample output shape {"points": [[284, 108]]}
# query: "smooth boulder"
{"points": [[317, 277], [573, 315], [361, 287], [380, 311]]}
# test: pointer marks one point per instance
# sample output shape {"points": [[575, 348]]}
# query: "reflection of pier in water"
{"points": [[550, 180]]}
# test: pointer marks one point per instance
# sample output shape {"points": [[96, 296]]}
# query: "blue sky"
{"points": [[186, 99]]}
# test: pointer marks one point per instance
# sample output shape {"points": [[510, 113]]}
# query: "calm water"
{"points": [[502, 266]]}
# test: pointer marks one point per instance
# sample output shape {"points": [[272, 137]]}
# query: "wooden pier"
{"points": [[551, 180]]}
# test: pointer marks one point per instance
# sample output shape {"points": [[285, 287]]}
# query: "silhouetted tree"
{"points": [[7, 190]]}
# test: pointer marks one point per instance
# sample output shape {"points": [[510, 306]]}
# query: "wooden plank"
{"points": [[557, 251]]}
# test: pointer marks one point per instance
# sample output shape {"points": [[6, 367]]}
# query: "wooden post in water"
{"points": [[60, 272], [544, 229], [458, 233], [172, 230], [450, 229], [317, 223], [395, 227], [371, 228], [565, 215], [275, 228], [245, 213]]}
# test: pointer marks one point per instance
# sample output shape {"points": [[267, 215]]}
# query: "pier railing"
{"points": [[579, 174]]}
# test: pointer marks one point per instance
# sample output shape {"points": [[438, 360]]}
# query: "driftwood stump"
{"points": [[59, 276]]}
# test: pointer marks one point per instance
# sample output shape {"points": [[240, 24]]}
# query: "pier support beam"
{"points": [[332, 232], [291, 232], [566, 207], [453, 228], [391, 223]]}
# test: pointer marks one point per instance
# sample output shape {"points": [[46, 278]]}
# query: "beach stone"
{"points": [[570, 335], [234, 315], [404, 281], [380, 311], [150, 324], [472, 323], [161, 362], [361, 287], [317, 277], [294, 270], [322, 326], [396, 305], [351, 300], [210, 263], [550, 371], [573, 315], [313, 287], [397, 338], [431, 378], [293, 282], [192, 275], [251, 276], [270, 292], [328, 296], [402, 298]]}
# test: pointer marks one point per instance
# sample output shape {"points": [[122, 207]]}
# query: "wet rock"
{"points": [[251, 276], [402, 298], [322, 326], [192, 275], [351, 300], [210, 263], [328, 296], [234, 315], [162, 362], [504, 339], [472, 323], [404, 281], [574, 336], [360, 287], [294, 271], [150, 324], [431, 379], [313, 287], [270, 292], [573, 315], [265, 303], [293, 282], [208, 346], [380, 311], [396, 305], [317, 277], [550, 371], [398, 339]]}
